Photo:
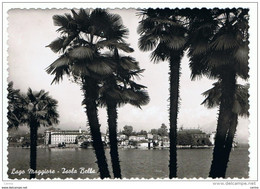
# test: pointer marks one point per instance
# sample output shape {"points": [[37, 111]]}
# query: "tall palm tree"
{"points": [[240, 107], [219, 50], [84, 37], [39, 109], [117, 91], [163, 33]]}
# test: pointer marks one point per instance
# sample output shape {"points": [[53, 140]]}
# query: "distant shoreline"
{"points": [[157, 148]]}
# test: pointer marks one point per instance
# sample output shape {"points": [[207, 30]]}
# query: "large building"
{"points": [[55, 137]]}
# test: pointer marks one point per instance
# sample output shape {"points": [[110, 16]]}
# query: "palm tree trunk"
{"points": [[112, 125], [174, 103], [90, 93], [229, 142], [228, 84], [222, 128], [33, 146]]}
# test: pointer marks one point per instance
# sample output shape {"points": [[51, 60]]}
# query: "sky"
{"points": [[31, 30]]}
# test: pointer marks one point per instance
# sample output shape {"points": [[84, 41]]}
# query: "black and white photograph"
{"points": [[139, 92]]}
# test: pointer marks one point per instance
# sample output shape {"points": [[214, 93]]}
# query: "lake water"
{"points": [[135, 163]]}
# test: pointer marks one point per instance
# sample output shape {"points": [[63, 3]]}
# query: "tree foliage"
{"points": [[219, 50], [127, 130], [15, 106]]}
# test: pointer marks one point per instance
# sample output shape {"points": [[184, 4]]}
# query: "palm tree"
{"points": [[84, 37], [219, 50], [117, 91], [34, 109], [39, 109], [162, 31], [239, 108]]}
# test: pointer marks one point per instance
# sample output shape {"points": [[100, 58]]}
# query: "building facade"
{"points": [[56, 137]]}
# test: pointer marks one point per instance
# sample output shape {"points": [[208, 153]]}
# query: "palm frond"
{"points": [[124, 47], [79, 68], [240, 105], [43, 122], [41, 108], [224, 42], [140, 98], [60, 20], [82, 19], [163, 20], [218, 58], [69, 39], [13, 121], [109, 94], [198, 67], [59, 68], [141, 28], [161, 53], [206, 26], [116, 29], [59, 73], [127, 75], [102, 66], [176, 43], [241, 100], [136, 86], [115, 94], [15, 106], [212, 96], [129, 63], [31, 95], [114, 44], [242, 70], [81, 53], [236, 107], [84, 14], [40, 113], [42, 95], [57, 44], [129, 94], [62, 63], [75, 15], [147, 42], [198, 49], [241, 55]]}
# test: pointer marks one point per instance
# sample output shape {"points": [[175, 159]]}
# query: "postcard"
{"points": [[129, 92]]}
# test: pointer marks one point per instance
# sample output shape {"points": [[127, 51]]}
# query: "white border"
{"points": [[253, 22]]}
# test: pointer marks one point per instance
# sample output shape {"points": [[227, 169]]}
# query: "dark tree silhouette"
{"points": [[35, 109], [84, 38], [219, 50], [163, 33], [117, 91]]}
